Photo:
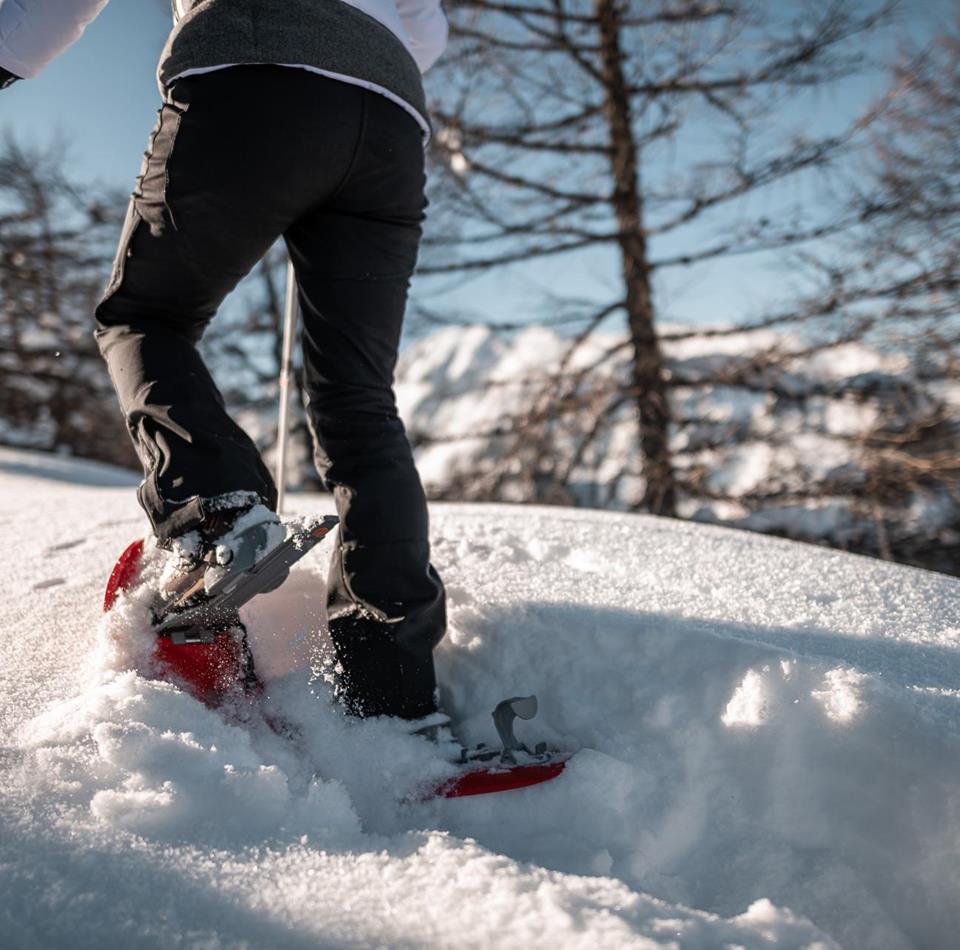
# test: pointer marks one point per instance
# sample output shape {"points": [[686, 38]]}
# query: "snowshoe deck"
{"points": [[514, 765], [502, 778]]}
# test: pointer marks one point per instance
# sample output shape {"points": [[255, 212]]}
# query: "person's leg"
{"points": [[230, 165], [354, 256]]}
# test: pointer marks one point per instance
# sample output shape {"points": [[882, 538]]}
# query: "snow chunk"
{"points": [[747, 707], [840, 696]]}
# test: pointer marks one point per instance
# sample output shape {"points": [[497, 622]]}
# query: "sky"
{"points": [[101, 95], [100, 98]]}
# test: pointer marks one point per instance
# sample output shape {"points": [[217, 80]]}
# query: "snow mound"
{"points": [[767, 740]]}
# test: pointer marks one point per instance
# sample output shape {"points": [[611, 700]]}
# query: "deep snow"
{"points": [[768, 740]]}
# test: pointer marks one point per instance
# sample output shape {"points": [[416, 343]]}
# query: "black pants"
{"points": [[238, 158]]}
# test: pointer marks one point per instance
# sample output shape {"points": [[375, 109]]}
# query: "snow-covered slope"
{"points": [[767, 433], [768, 735]]}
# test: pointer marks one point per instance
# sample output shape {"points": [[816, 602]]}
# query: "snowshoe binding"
{"points": [[485, 769]]}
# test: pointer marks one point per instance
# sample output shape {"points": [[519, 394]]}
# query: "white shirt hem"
{"points": [[424, 127]]}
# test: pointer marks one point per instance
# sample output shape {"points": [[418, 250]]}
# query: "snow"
{"points": [[760, 452], [767, 736]]}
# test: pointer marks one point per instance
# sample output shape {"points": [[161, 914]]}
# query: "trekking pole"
{"points": [[286, 371]]}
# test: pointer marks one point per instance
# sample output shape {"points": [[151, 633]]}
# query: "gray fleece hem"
{"points": [[325, 34]]}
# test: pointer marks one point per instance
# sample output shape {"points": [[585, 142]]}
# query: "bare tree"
{"points": [[902, 270], [568, 125], [56, 244]]}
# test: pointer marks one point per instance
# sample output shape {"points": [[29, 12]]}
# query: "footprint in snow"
{"points": [[53, 582], [65, 546]]}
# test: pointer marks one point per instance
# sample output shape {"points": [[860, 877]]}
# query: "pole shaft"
{"points": [[286, 372]]}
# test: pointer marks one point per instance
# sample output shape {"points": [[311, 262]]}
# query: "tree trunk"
{"points": [[648, 372]]}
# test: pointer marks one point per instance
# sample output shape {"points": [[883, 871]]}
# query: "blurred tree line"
{"points": [[565, 126], [55, 248]]}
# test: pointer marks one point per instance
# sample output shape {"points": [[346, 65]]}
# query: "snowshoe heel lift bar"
{"points": [[504, 716]]}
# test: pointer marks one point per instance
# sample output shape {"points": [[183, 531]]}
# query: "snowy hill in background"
{"points": [[769, 434], [768, 740]]}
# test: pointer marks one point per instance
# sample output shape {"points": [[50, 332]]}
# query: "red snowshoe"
{"points": [[513, 766], [201, 641]]}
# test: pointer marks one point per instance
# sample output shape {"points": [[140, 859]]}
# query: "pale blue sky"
{"points": [[100, 97]]}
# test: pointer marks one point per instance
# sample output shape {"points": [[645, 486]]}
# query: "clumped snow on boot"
{"points": [[229, 541], [437, 728]]}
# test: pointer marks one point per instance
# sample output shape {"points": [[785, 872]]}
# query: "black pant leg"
{"points": [[236, 156], [354, 258]]}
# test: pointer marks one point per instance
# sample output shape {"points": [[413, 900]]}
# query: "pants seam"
{"points": [[361, 134]]}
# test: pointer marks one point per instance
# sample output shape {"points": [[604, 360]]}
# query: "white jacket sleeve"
{"points": [[426, 26], [35, 32]]}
